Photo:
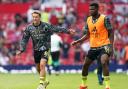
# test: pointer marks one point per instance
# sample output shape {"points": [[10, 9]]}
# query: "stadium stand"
{"points": [[13, 19]]}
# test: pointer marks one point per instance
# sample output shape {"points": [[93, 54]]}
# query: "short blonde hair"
{"points": [[37, 12]]}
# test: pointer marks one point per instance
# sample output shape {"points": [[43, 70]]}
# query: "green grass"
{"points": [[63, 81]]}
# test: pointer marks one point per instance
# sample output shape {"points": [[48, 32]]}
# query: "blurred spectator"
{"points": [[29, 14], [53, 17], [77, 49], [1, 32], [121, 1], [61, 18], [12, 52], [117, 35], [65, 50], [119, 51], [24, 17], [126, 54], [124, 33], [43, 1], [4, 59], [77, 55], [11, 26], [125, 13], [85, 47], [55, 51], [2, 39], [71, 16], [18, 19], [110, 8], [45, 16]]}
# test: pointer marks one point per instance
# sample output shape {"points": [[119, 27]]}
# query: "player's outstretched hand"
{"points": [[74, 43], [18, 52], [72, 32]]}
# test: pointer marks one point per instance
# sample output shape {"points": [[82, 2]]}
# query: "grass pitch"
{"points": [[63, 81]]}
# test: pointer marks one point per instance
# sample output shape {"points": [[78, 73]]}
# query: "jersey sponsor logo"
{"points": [[107, 49], [42, 48], [46, 53], [94, 32]]}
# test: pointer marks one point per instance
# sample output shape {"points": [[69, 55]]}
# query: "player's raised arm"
{"points": [[60, 29]]}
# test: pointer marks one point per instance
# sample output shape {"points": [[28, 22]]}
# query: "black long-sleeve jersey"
{"points": [[40, 35]]}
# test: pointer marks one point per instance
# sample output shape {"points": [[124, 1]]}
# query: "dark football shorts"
{"points": [[38, 55], [55, 55], [95, 53]]}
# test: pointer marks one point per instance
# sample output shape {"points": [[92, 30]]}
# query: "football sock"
{"points": [[100, 79], [42, 80], [107, 81], [84, 80]]}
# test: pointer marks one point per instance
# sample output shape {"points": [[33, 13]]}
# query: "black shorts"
{"points": [[41, 54], [55, 56], [95, 53]]}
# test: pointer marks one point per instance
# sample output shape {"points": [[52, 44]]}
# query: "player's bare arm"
{"points": [[83, 38], [79, 40], [110, 30], [111, 36], [72, 31], [18, 52]]}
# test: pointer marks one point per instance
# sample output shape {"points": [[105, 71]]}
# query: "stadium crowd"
{"points": [[12, 26]]}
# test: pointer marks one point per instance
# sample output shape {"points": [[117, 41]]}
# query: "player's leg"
{"points": [[88, 60], [57, 64], [38, 67], [37, 57], [99, 71], [55, 59], [105, 55], [41, 61], [43, 82], [105, 62], [48, 69], [86, 65], [53, 62], [49, 64]]}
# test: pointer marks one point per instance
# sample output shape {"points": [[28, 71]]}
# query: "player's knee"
{"points": [[87, 62], [104, 59], [84, 73], [38, 70], [38, 67], [42, 65], [103, 62]]}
